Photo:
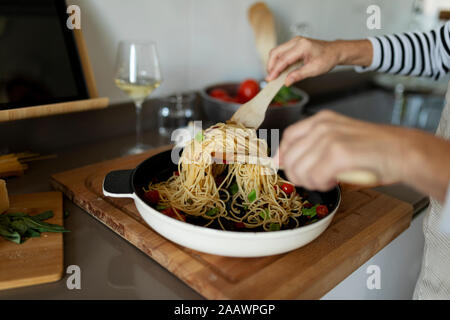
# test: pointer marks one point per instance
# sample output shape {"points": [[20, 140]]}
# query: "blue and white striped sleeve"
{"points": [[412, 53]]}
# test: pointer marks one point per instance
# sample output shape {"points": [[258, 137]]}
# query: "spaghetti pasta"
{"points": [[246, 194]]}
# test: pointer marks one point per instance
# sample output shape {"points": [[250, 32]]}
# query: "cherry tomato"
{"points": [[171, 213], [307, 205], [287, 188], [152, 196], [177, 173], [248, 89], [239, 225], [321, 211], [218, 93]]}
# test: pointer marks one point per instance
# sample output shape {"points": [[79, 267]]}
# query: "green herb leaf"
{"points": [[212, 212], [19, 226], [31, 233], [161, 207], [274, 227], [310, 212], [43, 216], [9, 234], [252, 196], [199, 136], [264, 214], [234, 188], [16, 215], [43, 226]]}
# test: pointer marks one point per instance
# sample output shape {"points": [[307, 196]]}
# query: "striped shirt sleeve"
{"points": [[422, 54]]}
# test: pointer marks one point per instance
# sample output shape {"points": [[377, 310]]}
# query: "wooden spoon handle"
{"points": [[358, 177], [275, 85], [355, 177]]}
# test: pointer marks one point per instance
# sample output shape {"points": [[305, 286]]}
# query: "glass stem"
{"points": [[139, 140]]}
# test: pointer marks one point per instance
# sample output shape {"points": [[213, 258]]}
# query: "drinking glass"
{"points": [[138, 75]]}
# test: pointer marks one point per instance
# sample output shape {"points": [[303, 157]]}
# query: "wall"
{"points": [[206, 41]]}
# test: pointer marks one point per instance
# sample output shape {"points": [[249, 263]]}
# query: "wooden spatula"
{"points": [[263, 25], [354, 177], [252, 113]]}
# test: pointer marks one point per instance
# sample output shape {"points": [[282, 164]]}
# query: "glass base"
{"points": [[139, 148]]}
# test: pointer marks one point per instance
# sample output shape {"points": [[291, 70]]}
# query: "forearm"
{"points": [[425, 163], [354, 52]]}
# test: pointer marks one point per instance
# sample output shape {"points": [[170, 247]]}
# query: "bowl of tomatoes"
{"points": [[220, 102]]}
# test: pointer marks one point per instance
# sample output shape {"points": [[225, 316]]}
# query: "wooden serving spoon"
{"points": [[252, 113], [353, 177]]}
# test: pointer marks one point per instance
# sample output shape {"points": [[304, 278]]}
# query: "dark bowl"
{"points": [[276, 117]]}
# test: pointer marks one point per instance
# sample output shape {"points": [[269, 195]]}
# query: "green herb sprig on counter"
{"points": [[18, 227]]}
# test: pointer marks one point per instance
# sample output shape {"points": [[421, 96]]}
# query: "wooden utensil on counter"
{"points": [[263, 25]]}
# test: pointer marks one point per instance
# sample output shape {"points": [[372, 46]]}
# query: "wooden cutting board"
{"points": [[365, 223], [38, 260]]}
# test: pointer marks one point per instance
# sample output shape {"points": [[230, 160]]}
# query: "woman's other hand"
{"points": [[314, 151], [318, 57]]}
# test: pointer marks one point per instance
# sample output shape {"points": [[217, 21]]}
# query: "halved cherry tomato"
{"points": [[321, 211], [177, 173], [171, 213], [239, 225], [287, 188], [152, 196], [248, 89], [218, 93]]}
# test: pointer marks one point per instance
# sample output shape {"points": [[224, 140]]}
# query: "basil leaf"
{"points": [[161, 207], [199, 137], [234, 188], [43, 216], [310, 212], [43, 226], [10, 235], [264, 214], [274, 227], [252, 196], [19, 226], [31, 233], [212, 212]]}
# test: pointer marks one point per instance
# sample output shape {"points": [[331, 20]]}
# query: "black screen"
{"points": [[39, 62]]}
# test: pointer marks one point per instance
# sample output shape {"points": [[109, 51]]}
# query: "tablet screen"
{"points": [[39, 60]]}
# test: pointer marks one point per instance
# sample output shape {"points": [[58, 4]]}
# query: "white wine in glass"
{"points": [[138, 75]]}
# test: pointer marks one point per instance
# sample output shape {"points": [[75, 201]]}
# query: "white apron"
{"points": [[434, 278]]}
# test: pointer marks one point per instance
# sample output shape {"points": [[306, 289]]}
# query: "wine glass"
{"points": [[137, 74]]}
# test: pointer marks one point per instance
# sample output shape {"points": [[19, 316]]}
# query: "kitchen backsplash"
{"points": [[205, 41]]}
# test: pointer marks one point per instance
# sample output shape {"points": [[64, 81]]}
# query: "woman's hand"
{"points": [[314, 151], [318, 57]]}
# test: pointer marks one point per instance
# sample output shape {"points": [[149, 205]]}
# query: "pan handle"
{"points": [[117, 184]]}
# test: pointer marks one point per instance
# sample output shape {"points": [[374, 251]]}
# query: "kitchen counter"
{"points": [[111, 268]]}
